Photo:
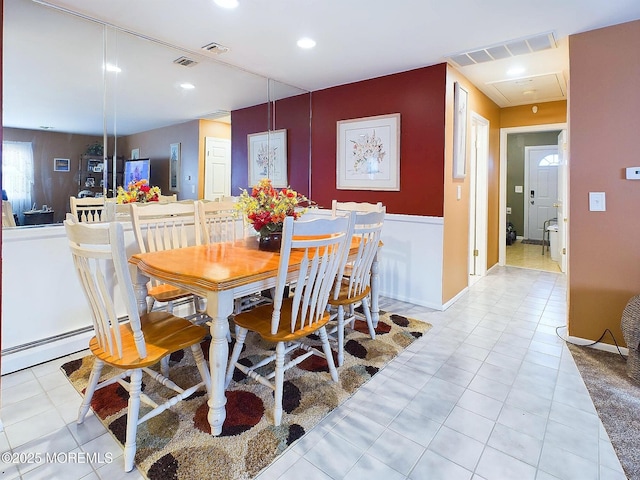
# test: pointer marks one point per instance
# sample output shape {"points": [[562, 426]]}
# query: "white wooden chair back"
{"points": [[88, 209], [98, 251], [168, 198], [367, 228], [7, 215], [119, 212], [360, 207], [218, 221], [164, 226], [322, 243]]}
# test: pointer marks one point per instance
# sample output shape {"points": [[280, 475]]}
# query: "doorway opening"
{"points": [[515, 198]]}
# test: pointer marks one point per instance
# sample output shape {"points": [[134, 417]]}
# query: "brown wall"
{"points": [[604, 258], [53, 188], [155, 144]]}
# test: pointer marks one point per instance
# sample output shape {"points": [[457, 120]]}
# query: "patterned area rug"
{"points": [[176, 444]]}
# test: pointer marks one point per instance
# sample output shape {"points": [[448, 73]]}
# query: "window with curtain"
{"points": [[17, 175]]}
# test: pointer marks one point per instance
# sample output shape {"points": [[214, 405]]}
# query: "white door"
{"points": [[217, 168], [478, 196], [563, 198], [541, 188]]}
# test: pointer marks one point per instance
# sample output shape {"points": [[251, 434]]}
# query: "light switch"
{"points": [[518, 188], [597, 202], [459, 192]]}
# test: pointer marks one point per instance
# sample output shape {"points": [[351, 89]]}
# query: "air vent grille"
{"points": [[185, 61], [215, 48], [507, 49]]}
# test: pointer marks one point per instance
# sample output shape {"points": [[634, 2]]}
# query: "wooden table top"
{"points": [[217, 266], [214, 267]]}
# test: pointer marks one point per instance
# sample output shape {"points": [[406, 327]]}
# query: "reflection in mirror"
{"points": [[98, 96]]}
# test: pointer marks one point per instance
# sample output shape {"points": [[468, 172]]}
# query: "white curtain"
{"points": [[17, 175]]}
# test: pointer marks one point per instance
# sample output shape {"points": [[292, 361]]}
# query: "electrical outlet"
{"points": [[508, 210]]}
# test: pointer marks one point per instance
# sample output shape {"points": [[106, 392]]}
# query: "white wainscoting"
{"points": [[45, 314]]}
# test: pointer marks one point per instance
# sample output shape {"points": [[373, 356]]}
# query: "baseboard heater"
{"points": [[46, 349]]}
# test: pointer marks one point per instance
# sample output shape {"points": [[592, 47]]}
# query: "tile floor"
{"points": [[490, 392]]}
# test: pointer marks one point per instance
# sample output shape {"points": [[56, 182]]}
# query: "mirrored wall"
{"points": [[86, 98]]}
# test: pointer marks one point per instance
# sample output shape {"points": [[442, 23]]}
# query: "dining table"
{"points": [[222, 272]]}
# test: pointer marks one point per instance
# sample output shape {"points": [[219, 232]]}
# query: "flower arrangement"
{"points": [[139, 191], [266, 208], [369, 149]]}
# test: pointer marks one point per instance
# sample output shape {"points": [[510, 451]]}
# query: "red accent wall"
{"points": [[419, 96], [291, 114]]}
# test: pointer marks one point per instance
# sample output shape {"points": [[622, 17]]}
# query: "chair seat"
{"points": [[259, 320], [163, 333], [167, 293], [345, 299]]}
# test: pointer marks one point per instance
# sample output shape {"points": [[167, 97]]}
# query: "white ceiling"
{"points": [[356, 40]]}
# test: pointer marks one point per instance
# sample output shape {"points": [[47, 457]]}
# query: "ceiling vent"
{"points": [[215, 48], [508, 49], [185, 61]]}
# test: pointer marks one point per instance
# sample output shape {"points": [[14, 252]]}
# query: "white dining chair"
{"points": [[162, 226], [361, 207], [219, 221], [354, 288], [88, 209], [321, 244], [133, 346], [8, 220]]}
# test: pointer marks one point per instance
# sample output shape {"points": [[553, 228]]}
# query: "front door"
{"points": [[541, 188]]}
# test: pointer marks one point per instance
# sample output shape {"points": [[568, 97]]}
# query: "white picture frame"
{"points": [[460, 100], [174, 167], [135, 153], [61, 165], [267, 155], [368, 153]]}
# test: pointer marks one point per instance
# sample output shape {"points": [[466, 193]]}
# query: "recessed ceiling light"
{"points": [[515, 71], [188, 86], [112, 68], [306, 43], [226, 3]]}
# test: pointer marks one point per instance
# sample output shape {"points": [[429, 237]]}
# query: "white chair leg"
{"points": [[340, 319], [91, 388], [367, 315], [326, 348], [241, 334], [203, 368], [132, 419], [279, 383]]}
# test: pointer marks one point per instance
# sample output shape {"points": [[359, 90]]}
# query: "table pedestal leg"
{"points": [[219, 307]]}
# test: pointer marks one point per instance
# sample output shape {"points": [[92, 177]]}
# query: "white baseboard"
{"points": [[607, 347]]}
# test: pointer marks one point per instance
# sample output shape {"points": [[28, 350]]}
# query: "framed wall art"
{"points": [[135, 153], [368, 154], [460, 99], [174, 167], [268, 157], [61, 165]]}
